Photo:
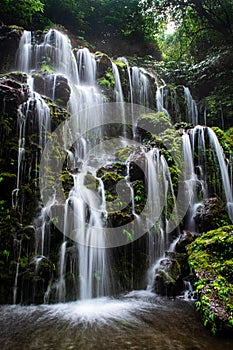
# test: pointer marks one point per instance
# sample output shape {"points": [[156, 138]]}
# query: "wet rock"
{"points": [[54, 87], [185, 238], [167, 276], [211, 214], [34, 279], [103, 63], [12, 94], [9, 43]]}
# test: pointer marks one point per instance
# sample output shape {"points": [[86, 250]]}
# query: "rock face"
{"points": [[9, 43], [185, 238], [58, 84], [211, 214]]}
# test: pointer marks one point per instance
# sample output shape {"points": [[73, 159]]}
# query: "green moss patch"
{"points": [[211, 257]]}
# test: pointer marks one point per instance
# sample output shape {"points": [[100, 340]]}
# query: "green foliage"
{"points": [[211, 257], [70, 13], [199, 26], [107, 80], [130, 235], [225, 139], [20, 12]]}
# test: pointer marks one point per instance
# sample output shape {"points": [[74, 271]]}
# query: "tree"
{"points": [[201, 25], [214, 14], [69, 13], [20, 12]]}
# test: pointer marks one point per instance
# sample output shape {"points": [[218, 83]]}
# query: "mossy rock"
{"points": [[118, 167], [104, 64], [120, 64], [110, 180], [124, 153], [166, 277], [211, 257], [67, 182], [91, 182], [119, 218], [152, 124]]}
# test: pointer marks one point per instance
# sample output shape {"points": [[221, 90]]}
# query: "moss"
{"points": [[91, 182], [120, 64], [153, 124], [111, 180], [124, 153], [107, 80], [67, 182], [211, 257]]}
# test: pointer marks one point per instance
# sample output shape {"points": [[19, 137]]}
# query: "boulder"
{"points": [[167, 276]]}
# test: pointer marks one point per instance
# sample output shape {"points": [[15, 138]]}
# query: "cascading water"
{"points": [[196, 170], [85, 213], [192, 110], [160, 188], [160, 100]]}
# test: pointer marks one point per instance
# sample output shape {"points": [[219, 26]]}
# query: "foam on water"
{"points": [[91, 311]]}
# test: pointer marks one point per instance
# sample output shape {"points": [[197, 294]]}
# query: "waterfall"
{"points": [[192, 111], [159, 187], [140, 87], [82, 208], [190, 181], [25, 52], [36, 107], [123, 59], [195, 175], [15, 289], [86, 212], [86, 66], [119, 97], [160, 100], [61, 283], [224, 172]]}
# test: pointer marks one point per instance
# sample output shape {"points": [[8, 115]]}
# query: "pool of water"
{"points": [[138, 321]]}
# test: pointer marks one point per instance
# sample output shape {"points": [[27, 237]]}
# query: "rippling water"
{"points": [[138, 321]]}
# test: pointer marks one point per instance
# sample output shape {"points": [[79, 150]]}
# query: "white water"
{"points": [[195, 177], [159, 187], [224, 172], [190, 180], [192, 110], [160, 100], [140, 87]]}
